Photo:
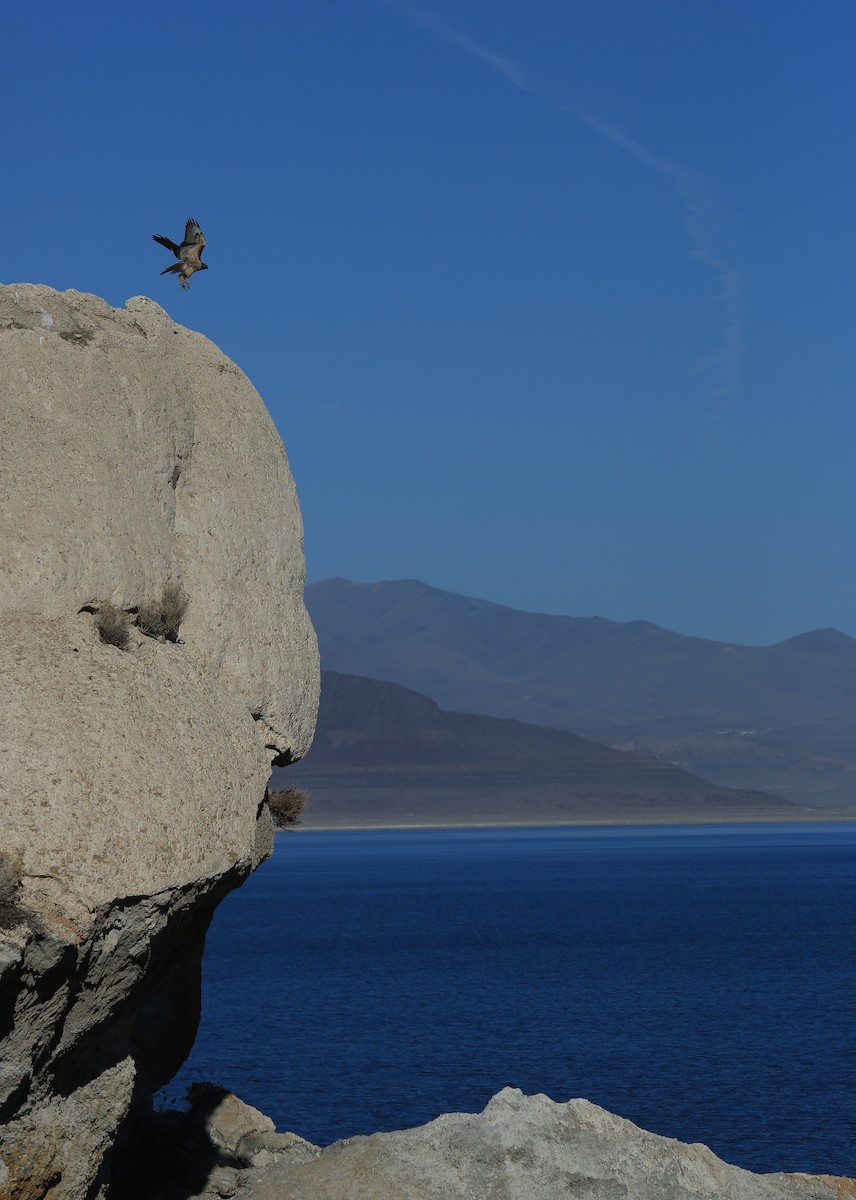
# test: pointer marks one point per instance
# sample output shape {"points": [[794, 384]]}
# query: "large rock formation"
{"points": [[138, 469], [520, 1146]]}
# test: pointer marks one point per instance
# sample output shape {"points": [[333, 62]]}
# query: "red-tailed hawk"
{"points": [[189, 253]]}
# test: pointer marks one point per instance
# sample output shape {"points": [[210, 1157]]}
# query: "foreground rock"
{"points": [[139, 472], [519, 1148]]}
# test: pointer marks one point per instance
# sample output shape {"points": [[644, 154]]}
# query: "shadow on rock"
{"points": [[203, 1151], [175, 1155]]}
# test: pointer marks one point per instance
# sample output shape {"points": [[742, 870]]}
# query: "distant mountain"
{"points": [[777, 718], [386, 755], [821, 641]]}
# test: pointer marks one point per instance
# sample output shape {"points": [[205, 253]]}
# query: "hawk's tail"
{"points": [[164, 241], [173, 270]]}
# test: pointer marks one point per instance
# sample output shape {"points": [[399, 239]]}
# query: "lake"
{"points": [[698, 980]]}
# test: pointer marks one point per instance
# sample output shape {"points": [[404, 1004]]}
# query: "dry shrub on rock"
{"points": [[113, 625], [286, 806], [149, 620], [174, 602], [10, 890], [162, 618]]}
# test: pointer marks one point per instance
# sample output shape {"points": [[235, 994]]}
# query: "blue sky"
{"points": [[552, 302]]}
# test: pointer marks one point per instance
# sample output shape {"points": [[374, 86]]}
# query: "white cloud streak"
{"points": [[700, 213], [428, 20], [700, 216]]}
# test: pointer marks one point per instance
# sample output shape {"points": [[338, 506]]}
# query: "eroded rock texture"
{"points": [[520, 1148], [137, 463], [524, 1148]]}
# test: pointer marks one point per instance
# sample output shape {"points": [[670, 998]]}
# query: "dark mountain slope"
{"points": [[386, 755], [781, 718]]}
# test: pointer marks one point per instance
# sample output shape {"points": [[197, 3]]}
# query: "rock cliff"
{"points": [[156, 658]]}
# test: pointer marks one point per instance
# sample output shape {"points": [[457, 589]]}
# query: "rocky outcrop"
{"points": [[520, 1146], [139, 474]]}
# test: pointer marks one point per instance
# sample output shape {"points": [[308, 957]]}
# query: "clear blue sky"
{"points": [[552, 302]]}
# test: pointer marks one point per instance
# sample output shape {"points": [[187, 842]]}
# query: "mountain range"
{"points": [[779, 718], [385, 755]]}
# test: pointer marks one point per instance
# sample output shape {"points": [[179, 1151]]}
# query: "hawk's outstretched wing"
{"points": [[194, 241], [192, 233]]}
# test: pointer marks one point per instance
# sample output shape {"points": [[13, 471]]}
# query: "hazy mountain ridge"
{"points": [[386, 755], [819, 641], [778, 718]]}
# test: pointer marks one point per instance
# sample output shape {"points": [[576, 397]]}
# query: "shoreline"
{"points": [[581, 823]]}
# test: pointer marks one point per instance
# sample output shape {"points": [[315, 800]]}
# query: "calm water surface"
{"points": [[699, 981]]}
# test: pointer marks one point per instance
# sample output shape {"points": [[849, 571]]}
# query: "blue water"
{"points": [[699, 981]]}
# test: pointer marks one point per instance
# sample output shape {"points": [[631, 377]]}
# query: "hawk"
{"points": [[189, 253]]}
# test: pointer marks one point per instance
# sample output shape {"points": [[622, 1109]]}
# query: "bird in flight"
{"points": [[189, 253]]}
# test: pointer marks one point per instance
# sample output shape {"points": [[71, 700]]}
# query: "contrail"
{"points": [[428, 20], [699, 209], [699, 215]]}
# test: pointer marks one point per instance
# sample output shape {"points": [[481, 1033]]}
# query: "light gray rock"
{"points": [[225, 1118], [134, 452], [134, 455], [122, 769], [265, 1149], [527, 1148]]}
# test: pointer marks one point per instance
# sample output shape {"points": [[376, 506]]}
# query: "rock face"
{"points": [[139, 470], [519, 1147]]}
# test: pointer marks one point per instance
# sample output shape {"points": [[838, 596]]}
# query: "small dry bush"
{"points": [[150, 620], [10, 878], [113, 625], [10, 890], [162, 618], [286, 806], [174, 604]]}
